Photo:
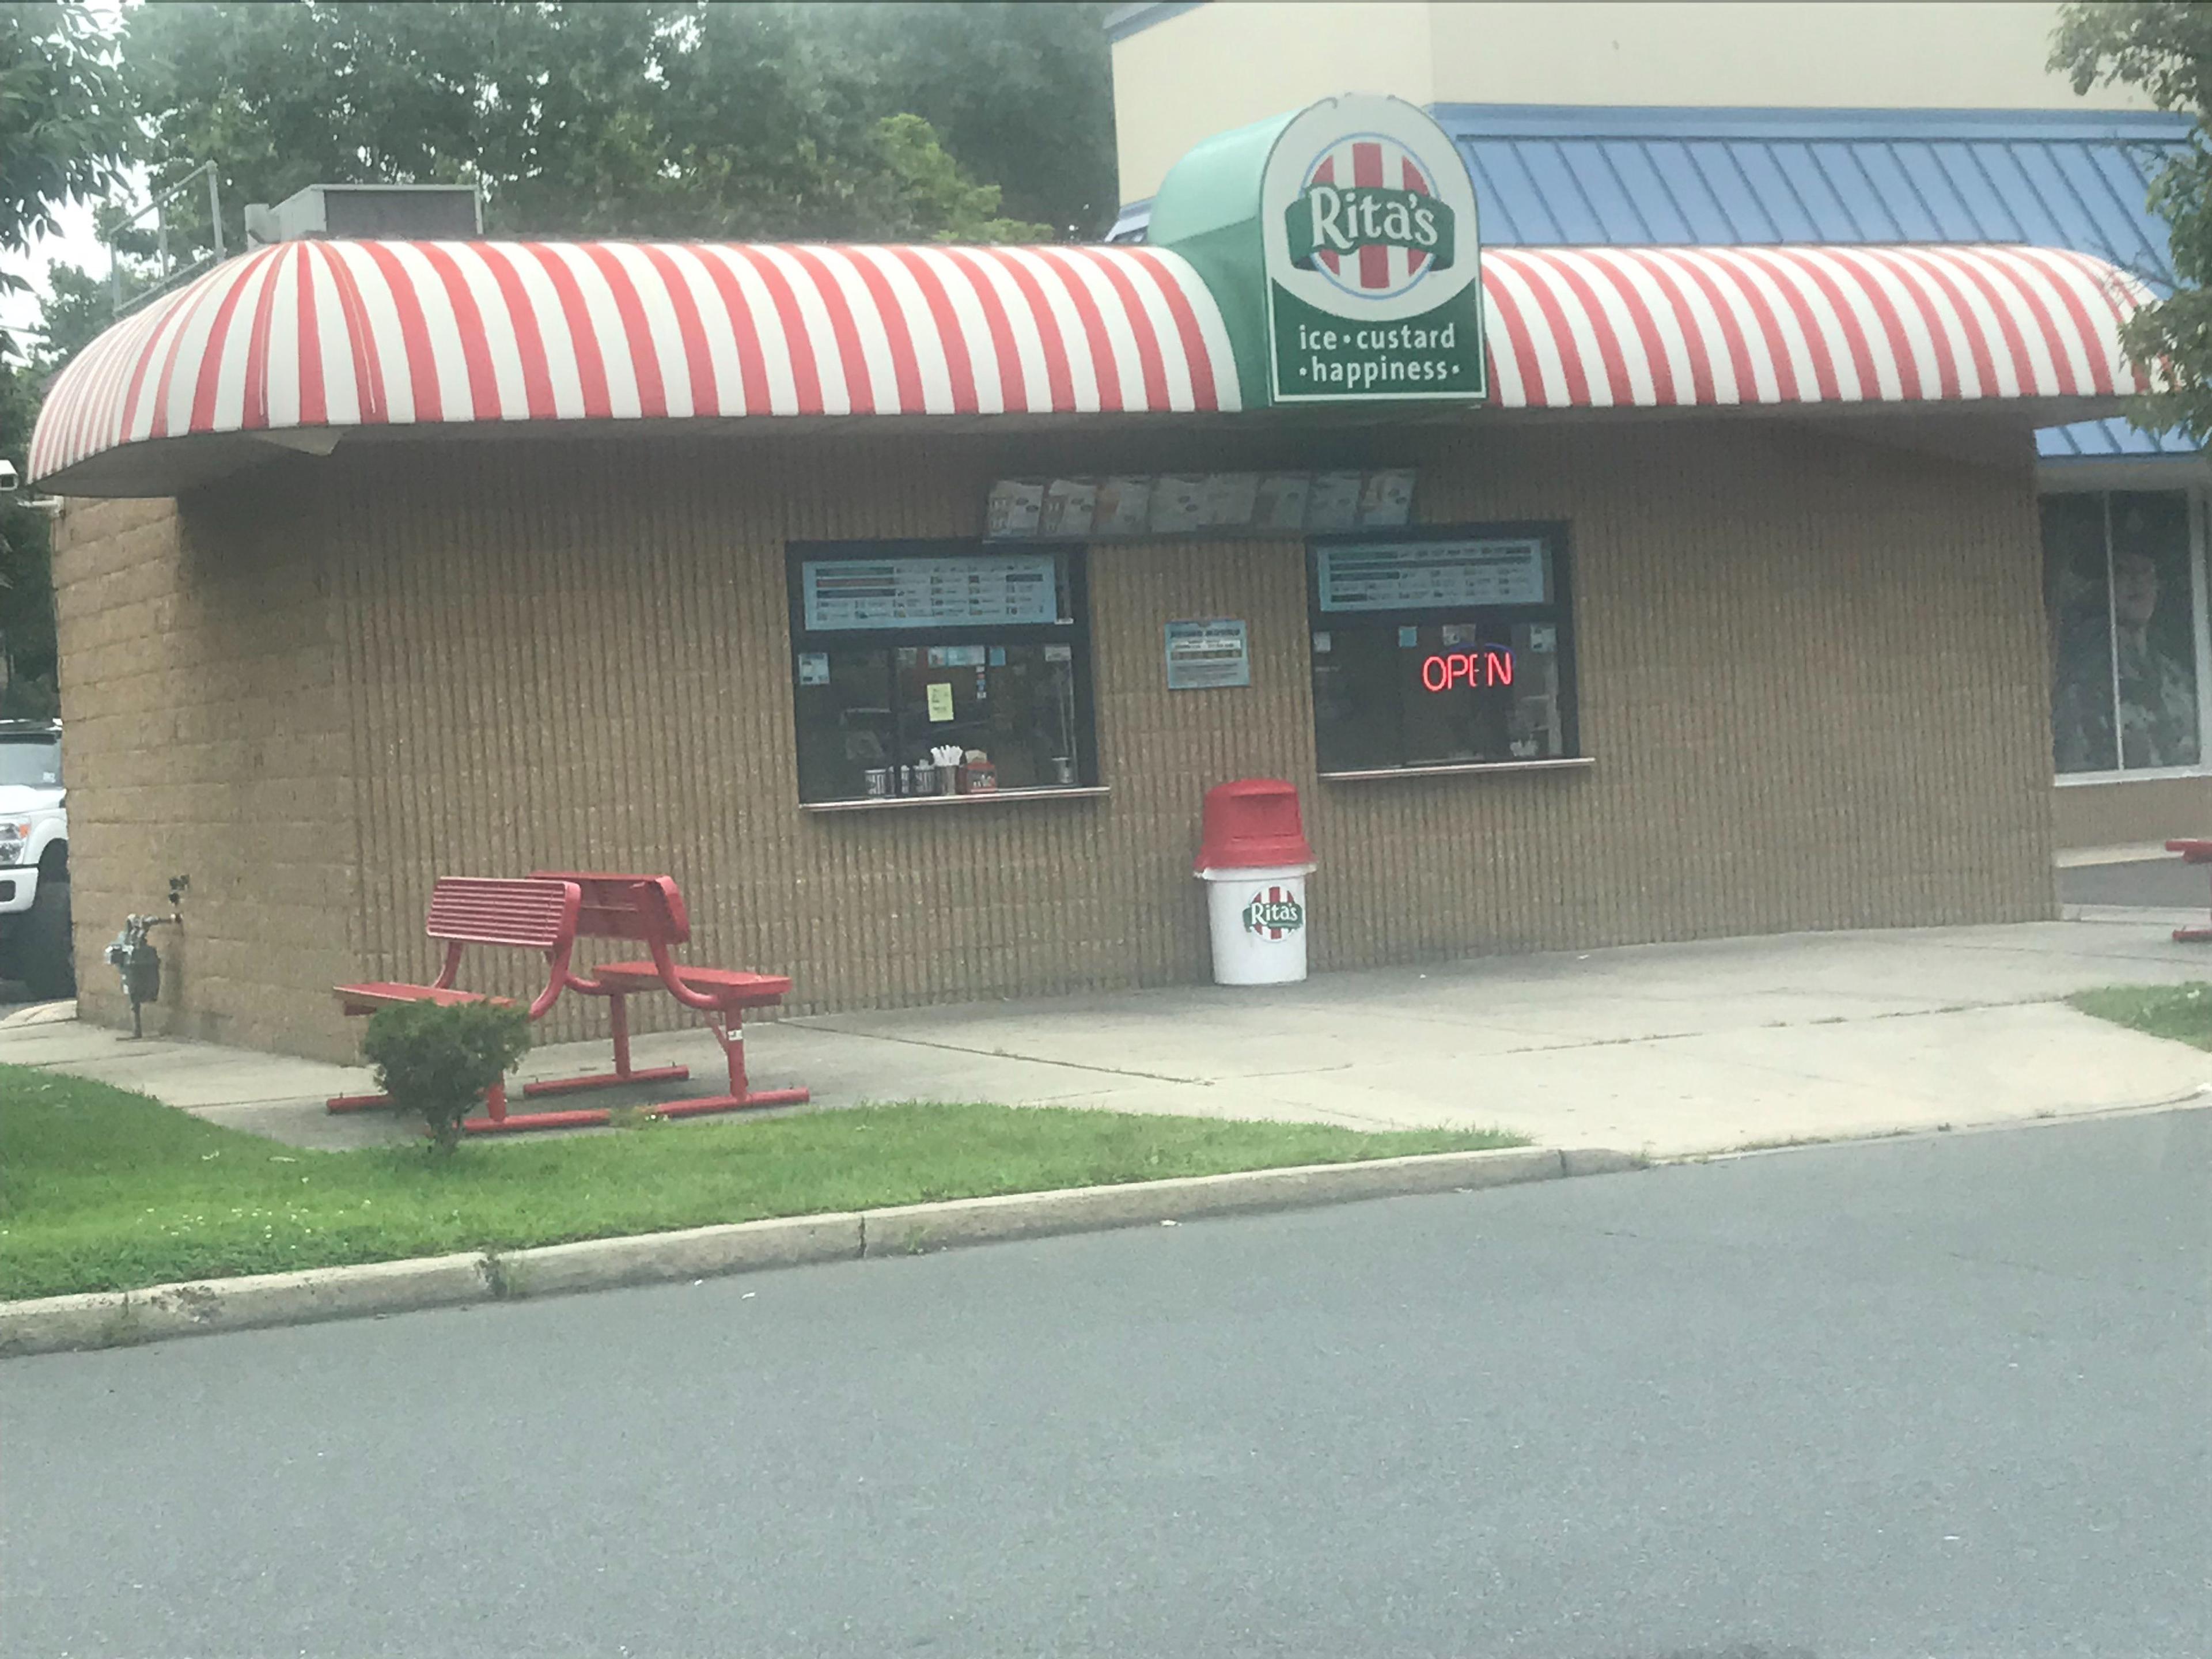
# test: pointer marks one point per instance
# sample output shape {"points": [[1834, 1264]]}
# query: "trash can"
{"points": [[1254, 859]]}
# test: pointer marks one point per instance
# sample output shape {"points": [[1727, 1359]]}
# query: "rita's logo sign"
{"points": [[1369, 218], [1372, 257], [1273, 914]]}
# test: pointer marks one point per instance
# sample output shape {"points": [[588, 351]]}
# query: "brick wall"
{"points": [[1811, 675], [205, 737]]}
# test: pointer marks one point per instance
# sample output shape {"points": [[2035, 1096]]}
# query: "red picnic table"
{"points": [[2192, 852], [547, 914]]}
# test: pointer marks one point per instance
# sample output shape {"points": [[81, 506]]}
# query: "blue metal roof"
{"points": [[1580, 176], [2054, 179], [2111, 440]]}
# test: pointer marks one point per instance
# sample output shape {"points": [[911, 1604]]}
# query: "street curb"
{"points": [[113, 1319], [599, 1264], [913, 1228]]}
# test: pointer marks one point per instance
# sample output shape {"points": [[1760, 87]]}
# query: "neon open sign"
{"points": [[1447, 668]]}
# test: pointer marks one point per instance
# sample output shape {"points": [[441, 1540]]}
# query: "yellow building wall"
{"points": [[1225, 66], [1810, 676]]}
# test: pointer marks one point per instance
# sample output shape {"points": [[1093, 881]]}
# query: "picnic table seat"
{"points": [[650, 910], [537, 915], [2193, 851]]}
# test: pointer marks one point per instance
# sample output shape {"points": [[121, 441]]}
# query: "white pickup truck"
{"points": [[34, 886]]}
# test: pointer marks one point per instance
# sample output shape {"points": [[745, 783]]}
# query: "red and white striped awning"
{"points": [[308, 335], [298, 343], [1659, 327]]}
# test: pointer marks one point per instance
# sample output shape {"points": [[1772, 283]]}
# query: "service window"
{"points": [[901, 651], [1442, 648]]}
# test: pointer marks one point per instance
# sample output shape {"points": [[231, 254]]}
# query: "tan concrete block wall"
{"points": [[1811, 675], [205, 738], [2131, 814]]}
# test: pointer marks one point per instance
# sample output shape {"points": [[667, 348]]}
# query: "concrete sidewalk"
{"points": [[1674, 1049]]}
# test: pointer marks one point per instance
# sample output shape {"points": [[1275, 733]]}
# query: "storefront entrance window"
{"points": [[1442, 648], [2119, 590], [902, 653]]}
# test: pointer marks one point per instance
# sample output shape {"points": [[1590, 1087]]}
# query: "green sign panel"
{"points": [[1341, 244], [1373, 290]]}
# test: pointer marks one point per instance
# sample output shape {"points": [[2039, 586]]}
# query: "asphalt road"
{"points": [[1950, 1397]]}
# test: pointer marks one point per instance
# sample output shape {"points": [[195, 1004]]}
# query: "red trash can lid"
{"points": [[1250, 824]]}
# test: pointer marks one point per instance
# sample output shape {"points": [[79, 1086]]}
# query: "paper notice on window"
{"points": [[1179, 502], [1333, 503], [1280, 502], [1070, 506], [814, 668], [940, 700], [1124, 508]]}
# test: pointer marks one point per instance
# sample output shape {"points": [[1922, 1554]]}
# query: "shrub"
{"points": [[438, 1062]]}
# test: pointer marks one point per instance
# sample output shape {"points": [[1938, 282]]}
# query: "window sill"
{"points": [[2140, 775], [1460, 768], [877, 804]]}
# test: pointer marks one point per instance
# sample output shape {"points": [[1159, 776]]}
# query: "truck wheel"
{"points": [[44, 951]]}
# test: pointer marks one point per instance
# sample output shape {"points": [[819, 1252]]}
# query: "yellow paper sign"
{"points": [[940, 700]]}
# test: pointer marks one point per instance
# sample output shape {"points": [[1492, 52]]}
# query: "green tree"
{"points": [[677, 119], [2165, 50], [77, 307], [64, 132], [1023, 95], [64, 122]]}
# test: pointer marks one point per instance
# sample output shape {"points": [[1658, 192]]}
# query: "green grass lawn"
{"points": [[102, 1189], [2183, 1012]]}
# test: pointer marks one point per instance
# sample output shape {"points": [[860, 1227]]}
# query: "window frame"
{"points": [[1075, 633], [1555, 534], [2105, 487]]}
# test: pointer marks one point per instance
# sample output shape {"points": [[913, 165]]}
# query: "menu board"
{"points": [[1194, 503], [1015, 507], [1179, 502], [1280, 501], [1125, 507], [1229, 498], [996, 590], [1386, 500], [1333, 503], [1070, 506], [1430, 575]]}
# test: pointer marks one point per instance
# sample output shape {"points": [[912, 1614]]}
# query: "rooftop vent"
{"points": [[447, 212]]}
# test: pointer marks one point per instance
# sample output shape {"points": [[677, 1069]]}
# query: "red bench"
{"points": [[537, 915], [2192, 852], [650, 910]]}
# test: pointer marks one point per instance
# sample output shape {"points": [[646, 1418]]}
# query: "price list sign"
{"points": [[998, 591], [1431, 575]]}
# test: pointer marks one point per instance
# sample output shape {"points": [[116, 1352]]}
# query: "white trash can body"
{"points": [[1258, 920]]}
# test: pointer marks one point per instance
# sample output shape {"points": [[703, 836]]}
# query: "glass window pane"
{"points": [[2154, 629], [843, 713], [1013, 704], [2082, 738], [920, 649], [1444, 650]]}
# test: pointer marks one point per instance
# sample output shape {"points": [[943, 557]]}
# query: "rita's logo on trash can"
{"points": [[1274, 913]]}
